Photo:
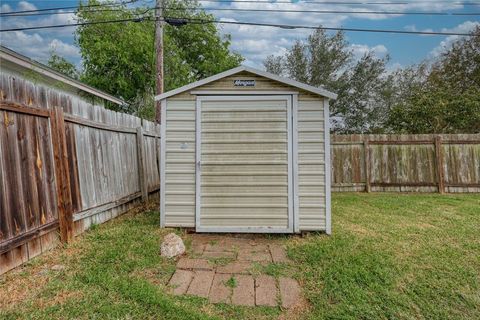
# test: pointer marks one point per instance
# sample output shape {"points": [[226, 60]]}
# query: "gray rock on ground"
{"points": [[172, 246]]}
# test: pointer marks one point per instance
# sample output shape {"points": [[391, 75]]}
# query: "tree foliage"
{"points": [[445, 98], [440, 96], [62, 65], [326, 60], [119, 58]]}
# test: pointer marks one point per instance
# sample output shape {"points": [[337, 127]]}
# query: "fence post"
{"points": [[439, 164], [62, 175], [141, 165], [366, 145]]}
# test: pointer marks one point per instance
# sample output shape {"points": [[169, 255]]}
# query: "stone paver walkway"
{"points": [[224, 269]]}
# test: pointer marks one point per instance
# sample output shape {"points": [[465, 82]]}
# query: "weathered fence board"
{"points": [[421, 163], [65, 164]]}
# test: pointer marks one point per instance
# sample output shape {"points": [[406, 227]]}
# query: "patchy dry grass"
{"points": [[403, 256]]}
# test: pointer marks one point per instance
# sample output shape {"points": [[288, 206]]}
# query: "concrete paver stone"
{"points": [[221, 254], [279, 254], [219, 247], [257, 256], [244, 292], [198, 276], [180, 281], [219, 292], [201, 283], [187, 263], [290, 292], [266, 291], [242, 267], [198, 249]]}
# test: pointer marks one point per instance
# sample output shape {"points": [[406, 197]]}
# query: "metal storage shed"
{"points": [[246, 151]]}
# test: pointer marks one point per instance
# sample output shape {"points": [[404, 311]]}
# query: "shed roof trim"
{"points": [[25, 62], [293, 83]]}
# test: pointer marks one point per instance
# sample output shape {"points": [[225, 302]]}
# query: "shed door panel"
{"points": [[244, 171]]}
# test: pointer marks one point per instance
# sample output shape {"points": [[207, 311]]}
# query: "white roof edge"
{"points": [[19, 59], [294, 83]]}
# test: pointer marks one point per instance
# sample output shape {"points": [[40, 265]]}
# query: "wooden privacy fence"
{"points": [[421, 163], [66, 164]]}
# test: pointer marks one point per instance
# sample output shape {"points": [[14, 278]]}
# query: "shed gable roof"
{"points": [[290, 82]]}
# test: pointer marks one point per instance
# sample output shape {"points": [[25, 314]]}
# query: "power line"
{"points": [[286, 26], [283, 26], [63, 12], [456, 3], [35, 11], [75, 24], [274, 10], [338, 11], [66, 8]]}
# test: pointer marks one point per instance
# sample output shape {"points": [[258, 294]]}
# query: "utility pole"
{"points": [[158, 56]]}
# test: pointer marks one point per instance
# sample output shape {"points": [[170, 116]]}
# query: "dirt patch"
{"points": [[60, 298], [297, 311], [156, 276], [28, 280], [362, 231]]}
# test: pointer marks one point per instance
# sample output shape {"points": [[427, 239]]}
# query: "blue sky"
{"points": [[255, 43]]}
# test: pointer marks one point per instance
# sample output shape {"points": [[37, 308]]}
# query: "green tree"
{"points": [[363, 96], [445, 96], [62, 65], [326, 60], [119, 57]]}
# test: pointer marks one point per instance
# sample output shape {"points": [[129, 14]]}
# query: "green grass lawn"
{"points": [[391, 256]]}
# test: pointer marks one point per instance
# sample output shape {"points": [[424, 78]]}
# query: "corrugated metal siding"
{"points": [[180, 164], [311, 165], [244, 155]]}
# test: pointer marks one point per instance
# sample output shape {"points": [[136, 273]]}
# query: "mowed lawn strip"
{"points": [[395, 256], [391, 256]]}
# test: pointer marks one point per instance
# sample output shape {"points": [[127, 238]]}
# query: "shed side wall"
{"points": [[180, 164], [311, 165]]}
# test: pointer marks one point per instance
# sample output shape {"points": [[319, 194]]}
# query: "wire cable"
{"points": [[456, 3], [285, 26], [336, 11], [64, 12], [282, 26], [274, 10], [71, 7], [76, 24]]}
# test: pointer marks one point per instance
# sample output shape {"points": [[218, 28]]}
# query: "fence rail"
{"points": [[66, 164], [421, 163]]}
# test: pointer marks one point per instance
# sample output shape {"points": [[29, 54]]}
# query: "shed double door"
{"points": [[244, 175]]}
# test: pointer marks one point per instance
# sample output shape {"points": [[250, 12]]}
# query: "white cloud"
{"points": [[5, 8], [414, 28], [11, 22], [38, 44], [275, 40], [64, 49], [37, 47], [253, 42], [444, 45], [24, 6]]}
